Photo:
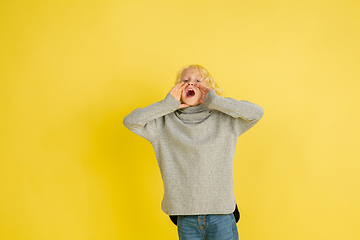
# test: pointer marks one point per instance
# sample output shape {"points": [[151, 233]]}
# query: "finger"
{"points": [[173, 88], [200, 86], [176, 87], [203, 87], [183, 105], [182, 86]]}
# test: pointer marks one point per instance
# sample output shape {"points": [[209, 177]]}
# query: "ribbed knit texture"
{"points": [[195, 149]]}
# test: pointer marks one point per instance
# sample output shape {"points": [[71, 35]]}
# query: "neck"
{"points": [[193, 114]]}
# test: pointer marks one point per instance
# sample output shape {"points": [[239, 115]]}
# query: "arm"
{"points": [[244, 114], [142, 121], [245, 110]]}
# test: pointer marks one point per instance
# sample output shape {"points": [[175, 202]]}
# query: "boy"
{"points": [[194, 133]]}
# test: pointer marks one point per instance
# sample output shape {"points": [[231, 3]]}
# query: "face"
{"points": [[191, 94]]}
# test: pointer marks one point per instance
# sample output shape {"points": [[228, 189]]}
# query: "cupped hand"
{"points": [[204, 90], [176, 93], [177, 90]]}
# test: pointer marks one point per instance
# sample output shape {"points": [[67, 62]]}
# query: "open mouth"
{"points": [[190, 93]]}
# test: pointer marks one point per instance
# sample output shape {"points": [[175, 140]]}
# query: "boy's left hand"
{"points": [[204, 90]]}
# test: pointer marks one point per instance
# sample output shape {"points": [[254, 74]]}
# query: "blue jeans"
{"points": [[208, 227]]}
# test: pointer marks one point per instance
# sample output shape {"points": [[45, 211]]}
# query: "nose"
{"points": [[191, 83]]}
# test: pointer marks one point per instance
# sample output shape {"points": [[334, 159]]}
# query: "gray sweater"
{"points": [[195, 149]]}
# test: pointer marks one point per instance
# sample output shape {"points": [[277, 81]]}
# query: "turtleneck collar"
{"points": [[193, 114]]}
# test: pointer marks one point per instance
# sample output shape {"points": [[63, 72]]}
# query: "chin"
{"points": [[193, 103]]}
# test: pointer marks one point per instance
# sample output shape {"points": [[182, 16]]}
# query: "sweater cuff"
{"points": [[209, 97], [171, 102]]}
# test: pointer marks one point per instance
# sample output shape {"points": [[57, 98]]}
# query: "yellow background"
{"points": [[71, 70]]}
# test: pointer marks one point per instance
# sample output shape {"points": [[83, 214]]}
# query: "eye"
{"points": [[198, 81], [186, 80]]}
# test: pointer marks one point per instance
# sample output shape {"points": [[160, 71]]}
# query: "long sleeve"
{"points": [[240, 110], [195, 145], [142, 121]]}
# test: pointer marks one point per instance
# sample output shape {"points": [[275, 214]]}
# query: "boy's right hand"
{"points": [[176, 93]]}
